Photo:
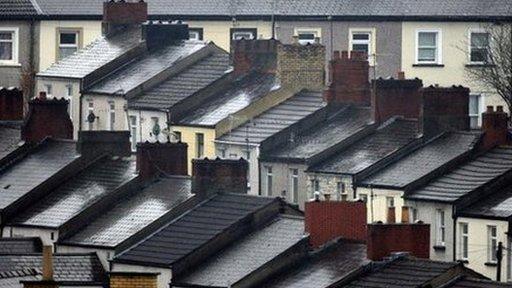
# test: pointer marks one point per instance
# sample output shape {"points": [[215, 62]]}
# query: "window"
{"points": [[390, 202], [361, 41], [221, 152], [269, 180], [69, 97], [243, 33], [195, 33], [492, 243], [478, 47], [49, 89], [441, 228], [463, 231], [68, 43], [177, 136], [428, 47], [315, 187], [199, 145], [90, 110], [307, 36], [52, 236], [294, 184], [155, 127], [112, 116], [475, 104], [340, 191], [248, 154], [133, 132], [233, 155], [414, 214], [8, 46]]}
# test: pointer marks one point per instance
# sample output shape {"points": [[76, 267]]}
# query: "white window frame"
{"points": [[269, 184], [134, 130], [48, 87], [341, 191], [440, 227], [90, 109], [111, 114], [294, 177], [471, 31], [68, 31], [372, 48], [317, 32], [463, 250], [491, 254], [439, 47], [15, 46], [196, 31], [480, 109], [199, 153], [252, 36], [390, 201], [69, 97]]}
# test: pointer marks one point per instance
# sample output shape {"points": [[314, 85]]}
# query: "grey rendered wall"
{"points": [[281, 181]]}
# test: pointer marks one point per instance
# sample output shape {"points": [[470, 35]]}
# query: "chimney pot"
{"points": [[391, 218], [327, 196], [499, 109], [47, 263], [401, 75], [490, 109], [336, 55], [42, 95]]}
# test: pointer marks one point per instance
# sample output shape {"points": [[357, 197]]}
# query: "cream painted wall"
{"points": [[44, 234], [478, 245], [103, 254], [101, 108], [188, 135], [164, 278], [48, 38], [377, 204]]}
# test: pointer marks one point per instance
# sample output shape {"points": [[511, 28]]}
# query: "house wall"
{"points": [[329, 184], [145, 125], [164, 278], [103, 254], [101, 108], [281, 181], [44, 234], [188, 135], [478, 246], [377, 204]]}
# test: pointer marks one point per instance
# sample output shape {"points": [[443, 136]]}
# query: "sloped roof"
{"points": [[18, 8], [9, 140], [466, 282], [20, 245], [12, 279], [496, 206]]}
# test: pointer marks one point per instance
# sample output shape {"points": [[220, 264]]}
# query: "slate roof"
{"points": [[13, 8], [132, 214], [12, 279], [324, 268], [78, 193], [137, 72], [371, 149], [425, 160], [20, 245], [403, 273], [9, 140], [467, 177], [42, 163], [192, 230], [496, 206], [248, 254], [240, 95], [95, 55], [276, 118], [478, 283], [196, 77], [338, 128], [67, 267]]}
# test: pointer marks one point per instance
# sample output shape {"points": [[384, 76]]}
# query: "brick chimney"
{"points": [[11, 104], [123, 13], [348, 79], [254, 55], [301, 66], [384, 239], [166, 158], [160, 33], [397, 97], [445, 109], [47, 118], [115, 143], [217, 176], [47, 263], [133, 279], [495, 127], [328, 220]]}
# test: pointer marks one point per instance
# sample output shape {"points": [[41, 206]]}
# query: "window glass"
{"points": [[6, 45], [427, 46], [49, 89], [492, 243], [479, 47], [243, 35], [307, 37], [112, 115], [474, 110], [177, 135], [440, 235], [390, 201], [133, 132], [199, 145], [464, 241], [269, 180], [68, 44], [195, 33], [361, 42], [294, 184]]}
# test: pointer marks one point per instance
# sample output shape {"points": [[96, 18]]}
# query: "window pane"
{"points": [[66, 51], [360, 47], [306, 36], [479, 39], [243, 35], [6, 51], [6, 35], [474, 105], [361, 36], [478, 54], [68, 38], [427, 54], [427, 38]]}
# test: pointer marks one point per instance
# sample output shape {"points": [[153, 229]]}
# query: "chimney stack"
{"points": [[11, 104], [161, 158], [301, 66], [495, 127], [121, 14], [405, 215], [391, 216], [161, 33], [348, 77], [47, 118], [115, 143], [210, 177], [254, 55], [133, 279], [47, 263]]}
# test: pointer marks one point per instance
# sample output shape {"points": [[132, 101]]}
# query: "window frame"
{"points": [[69, 97], [199, 31], [15, 46], [79, 41], [317, 32], [372, 48], [463, 249], [269, 174], [478, 115], [341, 191], [470, 32], [133, 128], [111, 112], [294, 189], [440, 228], [491, 254], [199, 145], [233, 31], [438, 47]]}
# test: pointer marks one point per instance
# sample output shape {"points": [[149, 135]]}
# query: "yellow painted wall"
{"points": [[188, 135], [377, 203]]}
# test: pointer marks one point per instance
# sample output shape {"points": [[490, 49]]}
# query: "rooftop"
{"points": [[276, 118], [9, 139], [425, 160], [20, 245], [132, 214], [12, 279], [466, 282], [467, 177], [497, 206], [366, 152], [77, 193], [14, 8]]}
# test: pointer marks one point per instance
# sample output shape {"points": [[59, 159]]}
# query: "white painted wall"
{"points": [[44, 234]]}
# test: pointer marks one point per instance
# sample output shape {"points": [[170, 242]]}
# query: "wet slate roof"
{"points": [[276, 118], [12, 279], [9, 140], [425, 160], [241, 94], [467, 177], [20, 245], [95, 55], [371, 149], [477, 283], [137, 72], [403, 273], [248, 254], [324, 135], [133, 214], [67, 267], [42, 163], [76, 194], [323, 269], [195, 228], [17, 8], [186, 83], [497, 205]]}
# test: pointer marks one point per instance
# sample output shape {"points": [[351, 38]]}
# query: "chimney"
{"points": [[47, 263], [114, 143], [405, 215], [348, 77], [301, 66], [121, 14], [328, 220], [133, 279], [495, 127], [11, 104], [161, 33], [254, 55], [47, 118], [397, 97], [384, 239], [219, 176], [166, 158], [391, 216], [445, 109]]}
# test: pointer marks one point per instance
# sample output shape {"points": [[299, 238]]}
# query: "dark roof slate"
{"points": [[248, 254], [497, 205], [478, 283], [425, 160], [467, 177], [17, 8], [195, 228], [276, 118], [77, 193], [368, 151], [9, 140], [134, 213], [39, 165], [12, 279], [186, 83], [20, 245]]}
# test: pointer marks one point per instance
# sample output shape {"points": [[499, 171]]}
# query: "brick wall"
{"points": [[384, 239], [495, 127], [219, 175], [11, 104], [154, 158], [254, 55], [301, 66], [122, 12], [133, 280]]}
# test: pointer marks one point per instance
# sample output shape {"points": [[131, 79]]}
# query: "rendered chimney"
{"points": [[47, 263], [495, 127], [405, 215], [391, 216], [348, 77], [219, 176], [11, 104], [161, 158], [254, 55], [123, 13]]}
